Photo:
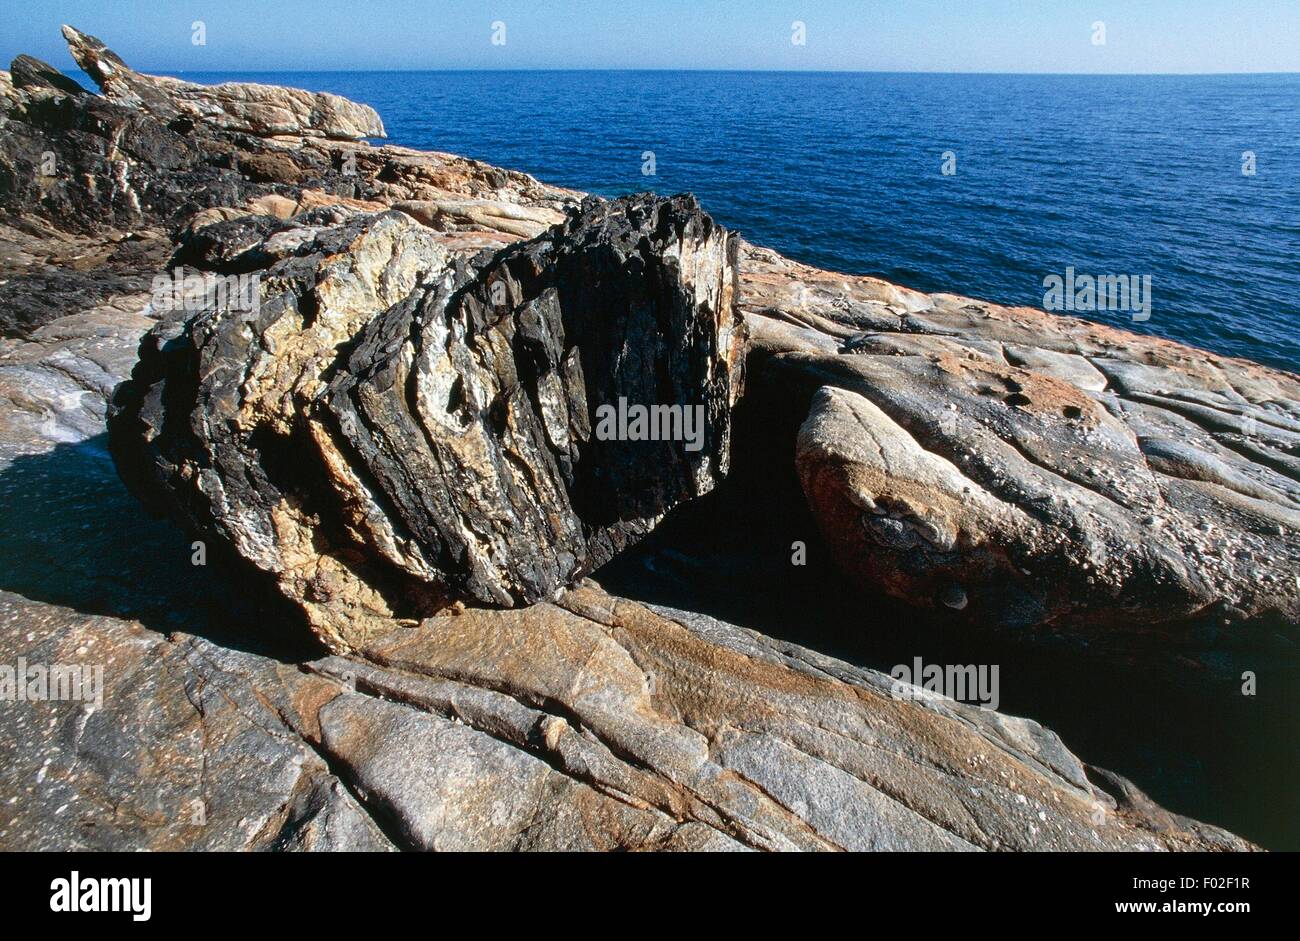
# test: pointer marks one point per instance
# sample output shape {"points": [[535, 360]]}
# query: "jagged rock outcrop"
{"points": [[31, 73], [245, 107], [389, 432], [333, 438], [93, 188]]}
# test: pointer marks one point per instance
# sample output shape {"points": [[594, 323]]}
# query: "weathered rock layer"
{"points": [[235, 106], [1039, 475], [389, 431]]}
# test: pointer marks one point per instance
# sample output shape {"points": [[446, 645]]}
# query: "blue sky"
{"points": [[871, 35]]}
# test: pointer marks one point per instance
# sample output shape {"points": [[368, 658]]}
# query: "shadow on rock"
{"points": [[1218, 756], [75, 537]]}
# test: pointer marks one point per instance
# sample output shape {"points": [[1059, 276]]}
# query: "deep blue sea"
{"points": [[1138, 175]]}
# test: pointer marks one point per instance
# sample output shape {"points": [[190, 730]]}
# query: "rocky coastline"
{"points": [[380, 441]]}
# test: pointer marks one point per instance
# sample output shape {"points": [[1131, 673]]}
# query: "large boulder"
{"points": [[389, 432], [1037, 475]]}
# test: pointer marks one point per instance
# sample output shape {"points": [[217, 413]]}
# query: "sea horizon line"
{"points": [[444, 70]]}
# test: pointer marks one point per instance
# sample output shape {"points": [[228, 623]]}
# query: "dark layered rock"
{"points": [[31, 73], [389, 432], [152, 157]]}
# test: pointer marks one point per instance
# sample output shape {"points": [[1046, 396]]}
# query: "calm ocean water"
{"points": [[1138, 175]]}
